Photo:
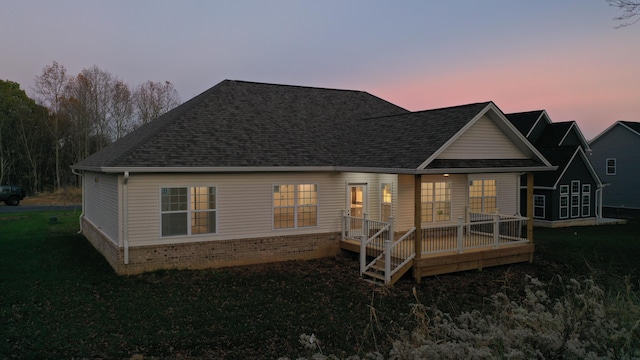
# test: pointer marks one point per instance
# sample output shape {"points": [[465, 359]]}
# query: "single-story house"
{"points": [[248, 173], [572, 194], [616, 156]]}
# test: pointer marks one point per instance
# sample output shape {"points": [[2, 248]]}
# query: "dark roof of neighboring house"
{"points": [[628, 125], [556, 155], [635, 126], [553, 134], [524, 121]]}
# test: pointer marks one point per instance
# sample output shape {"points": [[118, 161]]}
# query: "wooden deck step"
{"points": [[375, 275]]}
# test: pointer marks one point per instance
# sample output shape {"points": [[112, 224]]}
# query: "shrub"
{"points": [[580, 323]]}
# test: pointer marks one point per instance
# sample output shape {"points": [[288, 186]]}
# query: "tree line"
{"points": [[69, 118]]}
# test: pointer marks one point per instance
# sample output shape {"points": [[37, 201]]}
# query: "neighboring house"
{"points": [[248, 173], [570, 195], [616, 158]]}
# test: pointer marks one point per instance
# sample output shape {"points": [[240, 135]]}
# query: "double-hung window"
{"points": [[575, 198], [586, 199], [538, 206], [564, 201], [483, 196], [611, 166], [436, 201], [188, 210], [295, 205], [386, 196]]}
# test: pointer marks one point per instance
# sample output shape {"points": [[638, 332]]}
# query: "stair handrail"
{"points": [[391, 272]]}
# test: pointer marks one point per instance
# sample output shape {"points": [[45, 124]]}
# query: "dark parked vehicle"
{"points": [[11, 194]]}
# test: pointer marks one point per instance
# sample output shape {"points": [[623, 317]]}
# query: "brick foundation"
{"points": [[213, 254]]}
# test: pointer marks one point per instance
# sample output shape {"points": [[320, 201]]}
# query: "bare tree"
{"points": [[49, 88], [630, 9], [153, 99], [121, 109]]}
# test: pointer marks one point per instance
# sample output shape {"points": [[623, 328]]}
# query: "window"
{"points": [[188, 211], [295, 205], [538, 206], [586, 199], [564, 189], [483, 196], [575, 205], [564, 206], [385, 201], [611, 166], [575, 186], [436, 201]]}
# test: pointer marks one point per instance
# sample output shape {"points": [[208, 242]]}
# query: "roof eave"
{"points": [[187, 169]]}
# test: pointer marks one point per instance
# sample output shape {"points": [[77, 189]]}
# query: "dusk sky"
{"points": [[563, 56]]}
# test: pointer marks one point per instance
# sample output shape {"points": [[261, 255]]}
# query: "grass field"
{"points": [[60, 299]]}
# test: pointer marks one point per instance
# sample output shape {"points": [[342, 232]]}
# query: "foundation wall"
{"points": [[213, 254]]}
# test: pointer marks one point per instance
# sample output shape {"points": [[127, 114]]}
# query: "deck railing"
{"points": [[484, 230], [377, 245]]}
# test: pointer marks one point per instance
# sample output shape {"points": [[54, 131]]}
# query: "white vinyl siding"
{"points": [[101, 203], [244, 203], [483, 140]]}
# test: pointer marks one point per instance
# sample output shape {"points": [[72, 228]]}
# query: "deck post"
{"points": [[496, 230], [387, 252], [530, 211], [460, 234], [344, 223], [363, 253], [417, 222]]}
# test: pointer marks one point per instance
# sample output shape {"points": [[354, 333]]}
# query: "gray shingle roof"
{"points": [[404, 140], [237, 123], [246, 124]]}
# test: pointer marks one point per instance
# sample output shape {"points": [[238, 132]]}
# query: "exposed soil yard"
{"points": [[60, 299]]}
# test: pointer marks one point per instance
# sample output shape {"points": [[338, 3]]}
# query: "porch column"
{"points": [[530, 210], [417, 221]]}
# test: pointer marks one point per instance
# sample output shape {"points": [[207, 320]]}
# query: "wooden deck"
{"points": [[441, 256]]}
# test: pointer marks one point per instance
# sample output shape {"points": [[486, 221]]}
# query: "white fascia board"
{"points": [[440, 171], [604, 132]]}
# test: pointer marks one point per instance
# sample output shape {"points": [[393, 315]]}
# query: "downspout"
{"points": [[81, 175], [125, 216], [599, 204]]}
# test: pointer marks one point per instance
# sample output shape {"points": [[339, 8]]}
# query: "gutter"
{"points": [[254, 169], [74, 171]]}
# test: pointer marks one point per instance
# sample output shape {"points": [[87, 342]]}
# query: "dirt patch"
{"points": [[70, 195]]}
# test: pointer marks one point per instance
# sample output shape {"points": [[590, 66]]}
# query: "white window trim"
{"points": [[564, 207], [615, 166], [189, 210], [433, 203], [483, 196], [574, 207], [543, 206], [586, 192], [295, 206]]}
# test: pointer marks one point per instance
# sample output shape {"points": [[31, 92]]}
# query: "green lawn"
{"points": [[60, 299]]}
